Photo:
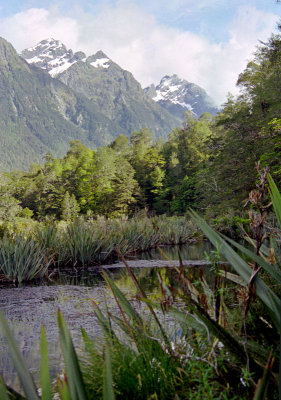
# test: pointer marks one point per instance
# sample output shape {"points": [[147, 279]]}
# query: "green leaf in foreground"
{"points": [[276, 201], [271, 269], [104, 322], [275, 197], [108, 392], [73, 372], [23, 373], [124, 303], [64, 389], [44, 368], [268, 297], [3, 390]]}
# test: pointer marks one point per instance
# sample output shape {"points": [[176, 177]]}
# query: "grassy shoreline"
{"points": [[81, 243]]}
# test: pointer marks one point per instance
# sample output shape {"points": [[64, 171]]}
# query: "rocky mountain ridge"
{"points": [[41, 114], [53, 56], [172, 93], [178, 95], [55, 96], [113, 90]]}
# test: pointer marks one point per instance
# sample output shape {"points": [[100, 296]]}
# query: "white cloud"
{"points": [[26, 28], [132, 37]]}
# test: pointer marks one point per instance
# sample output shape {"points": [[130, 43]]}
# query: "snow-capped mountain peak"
{"points": [[47, 46], [53, 56], [99, 60], [178, 95], [173, 89]]}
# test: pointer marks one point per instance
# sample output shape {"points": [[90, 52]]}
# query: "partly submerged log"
{"points": [[159, 263]]}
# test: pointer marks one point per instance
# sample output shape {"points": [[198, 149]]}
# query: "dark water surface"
{"points": [[28, 307]]}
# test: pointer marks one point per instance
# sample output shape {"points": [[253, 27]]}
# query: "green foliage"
{"points": [[148, 164], [272, 153], [206, 164], [44, 368], [241, 267], [269, 294], [73, 372], [22, 258], [186, 153], [23, 374], [69, 207]]}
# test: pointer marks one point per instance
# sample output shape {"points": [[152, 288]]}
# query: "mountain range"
{"points": [[50, 96]]}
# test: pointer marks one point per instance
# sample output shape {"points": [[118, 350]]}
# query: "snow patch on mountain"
{"points": [[54, 57], [34, 60], [178, 95], [102, 62], [60, 67]]}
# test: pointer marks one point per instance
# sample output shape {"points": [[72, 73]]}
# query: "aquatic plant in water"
{"points": [[22, 259]]}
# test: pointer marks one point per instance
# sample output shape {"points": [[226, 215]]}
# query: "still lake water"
{"points": [[29, 306]]}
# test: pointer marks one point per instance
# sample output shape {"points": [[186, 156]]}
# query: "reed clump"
{"points": [[22, 259], [83, 242]]}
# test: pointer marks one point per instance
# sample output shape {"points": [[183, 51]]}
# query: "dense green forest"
{"points": [[208, 164]]}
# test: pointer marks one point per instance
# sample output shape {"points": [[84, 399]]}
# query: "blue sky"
{"points": [[204, 41]]}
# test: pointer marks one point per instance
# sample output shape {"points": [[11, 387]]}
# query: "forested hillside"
{"points": [[208, 164], [40, 114]]}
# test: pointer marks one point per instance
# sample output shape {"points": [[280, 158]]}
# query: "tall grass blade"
{"points": [[275, 197], [23, 373], [64, 390], [73, 372], [108, 392], [125, 308], [89, 345], [104, 322], [44, 368], [129, 310], [126, 328], [208, 323], [13, 394], [232, 277]]}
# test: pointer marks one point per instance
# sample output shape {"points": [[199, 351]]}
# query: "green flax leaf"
{"points": [[23, 373], [73, 372], [268, 297], [108, 392], [44, 368]]}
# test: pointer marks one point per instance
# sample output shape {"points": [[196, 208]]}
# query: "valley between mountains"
{"points": [[50, 96]]}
